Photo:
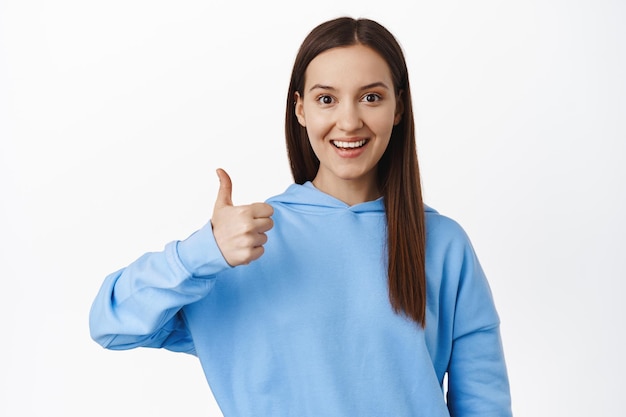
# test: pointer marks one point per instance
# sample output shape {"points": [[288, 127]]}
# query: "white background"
{"points": [[114, 116]]}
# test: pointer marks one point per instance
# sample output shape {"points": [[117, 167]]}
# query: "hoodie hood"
{"points": [[308, 198]]}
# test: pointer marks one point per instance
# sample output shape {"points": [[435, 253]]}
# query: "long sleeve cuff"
{"points": [[200, 254]]}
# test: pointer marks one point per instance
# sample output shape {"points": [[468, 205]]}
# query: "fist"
{"points": [[239, 230]]}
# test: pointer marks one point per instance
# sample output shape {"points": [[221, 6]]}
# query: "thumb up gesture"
{"points": [[239, 230]]}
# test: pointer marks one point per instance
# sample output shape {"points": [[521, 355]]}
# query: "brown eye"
{"points": [[325, 99], [371, 98]]}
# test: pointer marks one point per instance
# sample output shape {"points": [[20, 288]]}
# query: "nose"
{"points": [[348, 117]]}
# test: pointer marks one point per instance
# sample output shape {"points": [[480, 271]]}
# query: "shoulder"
{"points": [[443, 229], [447, 242]]}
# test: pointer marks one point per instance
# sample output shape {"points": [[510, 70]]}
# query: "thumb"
{"points": [[224, 194]]}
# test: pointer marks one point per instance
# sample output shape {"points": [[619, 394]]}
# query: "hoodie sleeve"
{"points": [[477, 377], [141, 304]]}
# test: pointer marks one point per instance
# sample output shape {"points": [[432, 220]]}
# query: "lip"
{"points": [[348, 152]]}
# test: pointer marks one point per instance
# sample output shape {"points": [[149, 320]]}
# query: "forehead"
{"points": [[347, 66]]}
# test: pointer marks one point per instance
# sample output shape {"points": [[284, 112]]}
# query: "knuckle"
{"points": [[245, 228], [249, 241]]}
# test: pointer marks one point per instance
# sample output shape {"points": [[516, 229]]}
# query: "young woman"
{"points": [[343, 296]]}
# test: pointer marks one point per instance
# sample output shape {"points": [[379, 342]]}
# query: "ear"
{"points": [[399, 108], [299, 109]]}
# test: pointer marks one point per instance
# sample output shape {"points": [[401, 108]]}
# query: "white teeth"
{"points": [[342, 144]]}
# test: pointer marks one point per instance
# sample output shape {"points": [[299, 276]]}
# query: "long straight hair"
{"points": [[398, 171]]}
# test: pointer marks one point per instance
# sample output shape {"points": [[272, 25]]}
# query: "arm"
{"points": [[477, 377], [140, 304]]}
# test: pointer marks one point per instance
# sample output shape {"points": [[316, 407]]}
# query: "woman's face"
{"points": [[348, 107]]}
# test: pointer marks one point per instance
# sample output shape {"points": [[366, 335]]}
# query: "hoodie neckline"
{"points": [[309, 198], [306, 197]]}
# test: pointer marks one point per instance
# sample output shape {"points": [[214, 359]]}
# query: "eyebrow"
{"points": [[365, 87]]}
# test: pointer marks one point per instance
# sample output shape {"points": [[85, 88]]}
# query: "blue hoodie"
{"points": [[308, 329]]}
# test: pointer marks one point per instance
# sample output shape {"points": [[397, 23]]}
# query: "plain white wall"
{"points": [[114, 116]]}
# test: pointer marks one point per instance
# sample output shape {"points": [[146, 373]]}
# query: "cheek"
{"points": [[317, 126], [382, 124]]}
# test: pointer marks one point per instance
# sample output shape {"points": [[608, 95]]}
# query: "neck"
{"points": [[351, 192]]}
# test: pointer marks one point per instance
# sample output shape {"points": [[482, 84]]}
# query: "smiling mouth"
{"points": [[340, 144]]}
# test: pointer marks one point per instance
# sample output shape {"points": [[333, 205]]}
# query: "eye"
{"points": [[325, 99], [371, 98]]}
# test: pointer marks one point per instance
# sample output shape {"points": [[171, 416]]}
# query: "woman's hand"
{"points": [[239, 230]]}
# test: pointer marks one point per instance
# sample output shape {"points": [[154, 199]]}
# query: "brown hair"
{"points": [[398, 172]]}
